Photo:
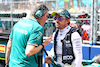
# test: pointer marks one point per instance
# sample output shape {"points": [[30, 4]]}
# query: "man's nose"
{"points": [[57, 22]]}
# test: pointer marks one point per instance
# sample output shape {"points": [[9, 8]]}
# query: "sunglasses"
{"points": [[59, 18]]}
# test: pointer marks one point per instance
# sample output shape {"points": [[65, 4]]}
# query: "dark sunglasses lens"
{"points": [[60, 18], [55, 18]]}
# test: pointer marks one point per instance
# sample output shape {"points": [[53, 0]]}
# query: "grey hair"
{"points": [[97, 59], [37, 7]]}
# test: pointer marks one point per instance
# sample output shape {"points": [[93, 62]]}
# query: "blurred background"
{"points": [[85, 15]]}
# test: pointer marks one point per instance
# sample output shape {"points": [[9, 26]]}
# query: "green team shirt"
{"points": [[25, 31], [0, 24]]}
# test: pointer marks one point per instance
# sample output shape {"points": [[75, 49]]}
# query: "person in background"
{"points": [[95, 62], [25, 40], [67, 50], [85, 26], [66, 3]]}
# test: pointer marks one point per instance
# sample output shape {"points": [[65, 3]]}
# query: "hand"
{"points": [[48, 60], [7, 62], [47, 41]]}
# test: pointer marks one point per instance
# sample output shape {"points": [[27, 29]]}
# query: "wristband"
{"points": [[42, 45]]}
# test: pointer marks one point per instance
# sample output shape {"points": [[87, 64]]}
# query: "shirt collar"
{"points": [[32, 18]]}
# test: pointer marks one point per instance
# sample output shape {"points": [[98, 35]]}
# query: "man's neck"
{"points": [[64, 27]]}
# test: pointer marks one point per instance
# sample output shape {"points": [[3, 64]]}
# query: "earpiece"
{"points": [[39, 14], [41, 11]]}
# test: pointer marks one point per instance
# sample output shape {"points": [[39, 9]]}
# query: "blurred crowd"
{"points": [[70, 5], [83, 25]]}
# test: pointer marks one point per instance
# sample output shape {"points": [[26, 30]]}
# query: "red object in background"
{"points": [[85, 35], [83, 16], [2, 48]]}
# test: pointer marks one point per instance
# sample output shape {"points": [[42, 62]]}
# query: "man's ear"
{"points": [[68, 20]]}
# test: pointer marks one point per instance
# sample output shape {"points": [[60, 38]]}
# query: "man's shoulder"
{"points": [[74, 29], [32, 21]]}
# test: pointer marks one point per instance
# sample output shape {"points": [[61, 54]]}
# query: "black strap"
{"points": [[46, 54], [68, 35], [55, 42], [68, 47]]}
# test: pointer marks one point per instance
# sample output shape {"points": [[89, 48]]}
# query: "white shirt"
{"points": [[77, 46]]}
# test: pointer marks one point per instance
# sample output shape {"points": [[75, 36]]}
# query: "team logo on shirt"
{"points": [[68, 57], [21, 31], [39, 36]]}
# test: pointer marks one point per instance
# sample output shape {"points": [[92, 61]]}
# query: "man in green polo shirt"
{"points": [[25, 40]]}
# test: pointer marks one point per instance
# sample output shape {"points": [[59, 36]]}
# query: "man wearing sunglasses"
{"points": [[67, 42]]}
